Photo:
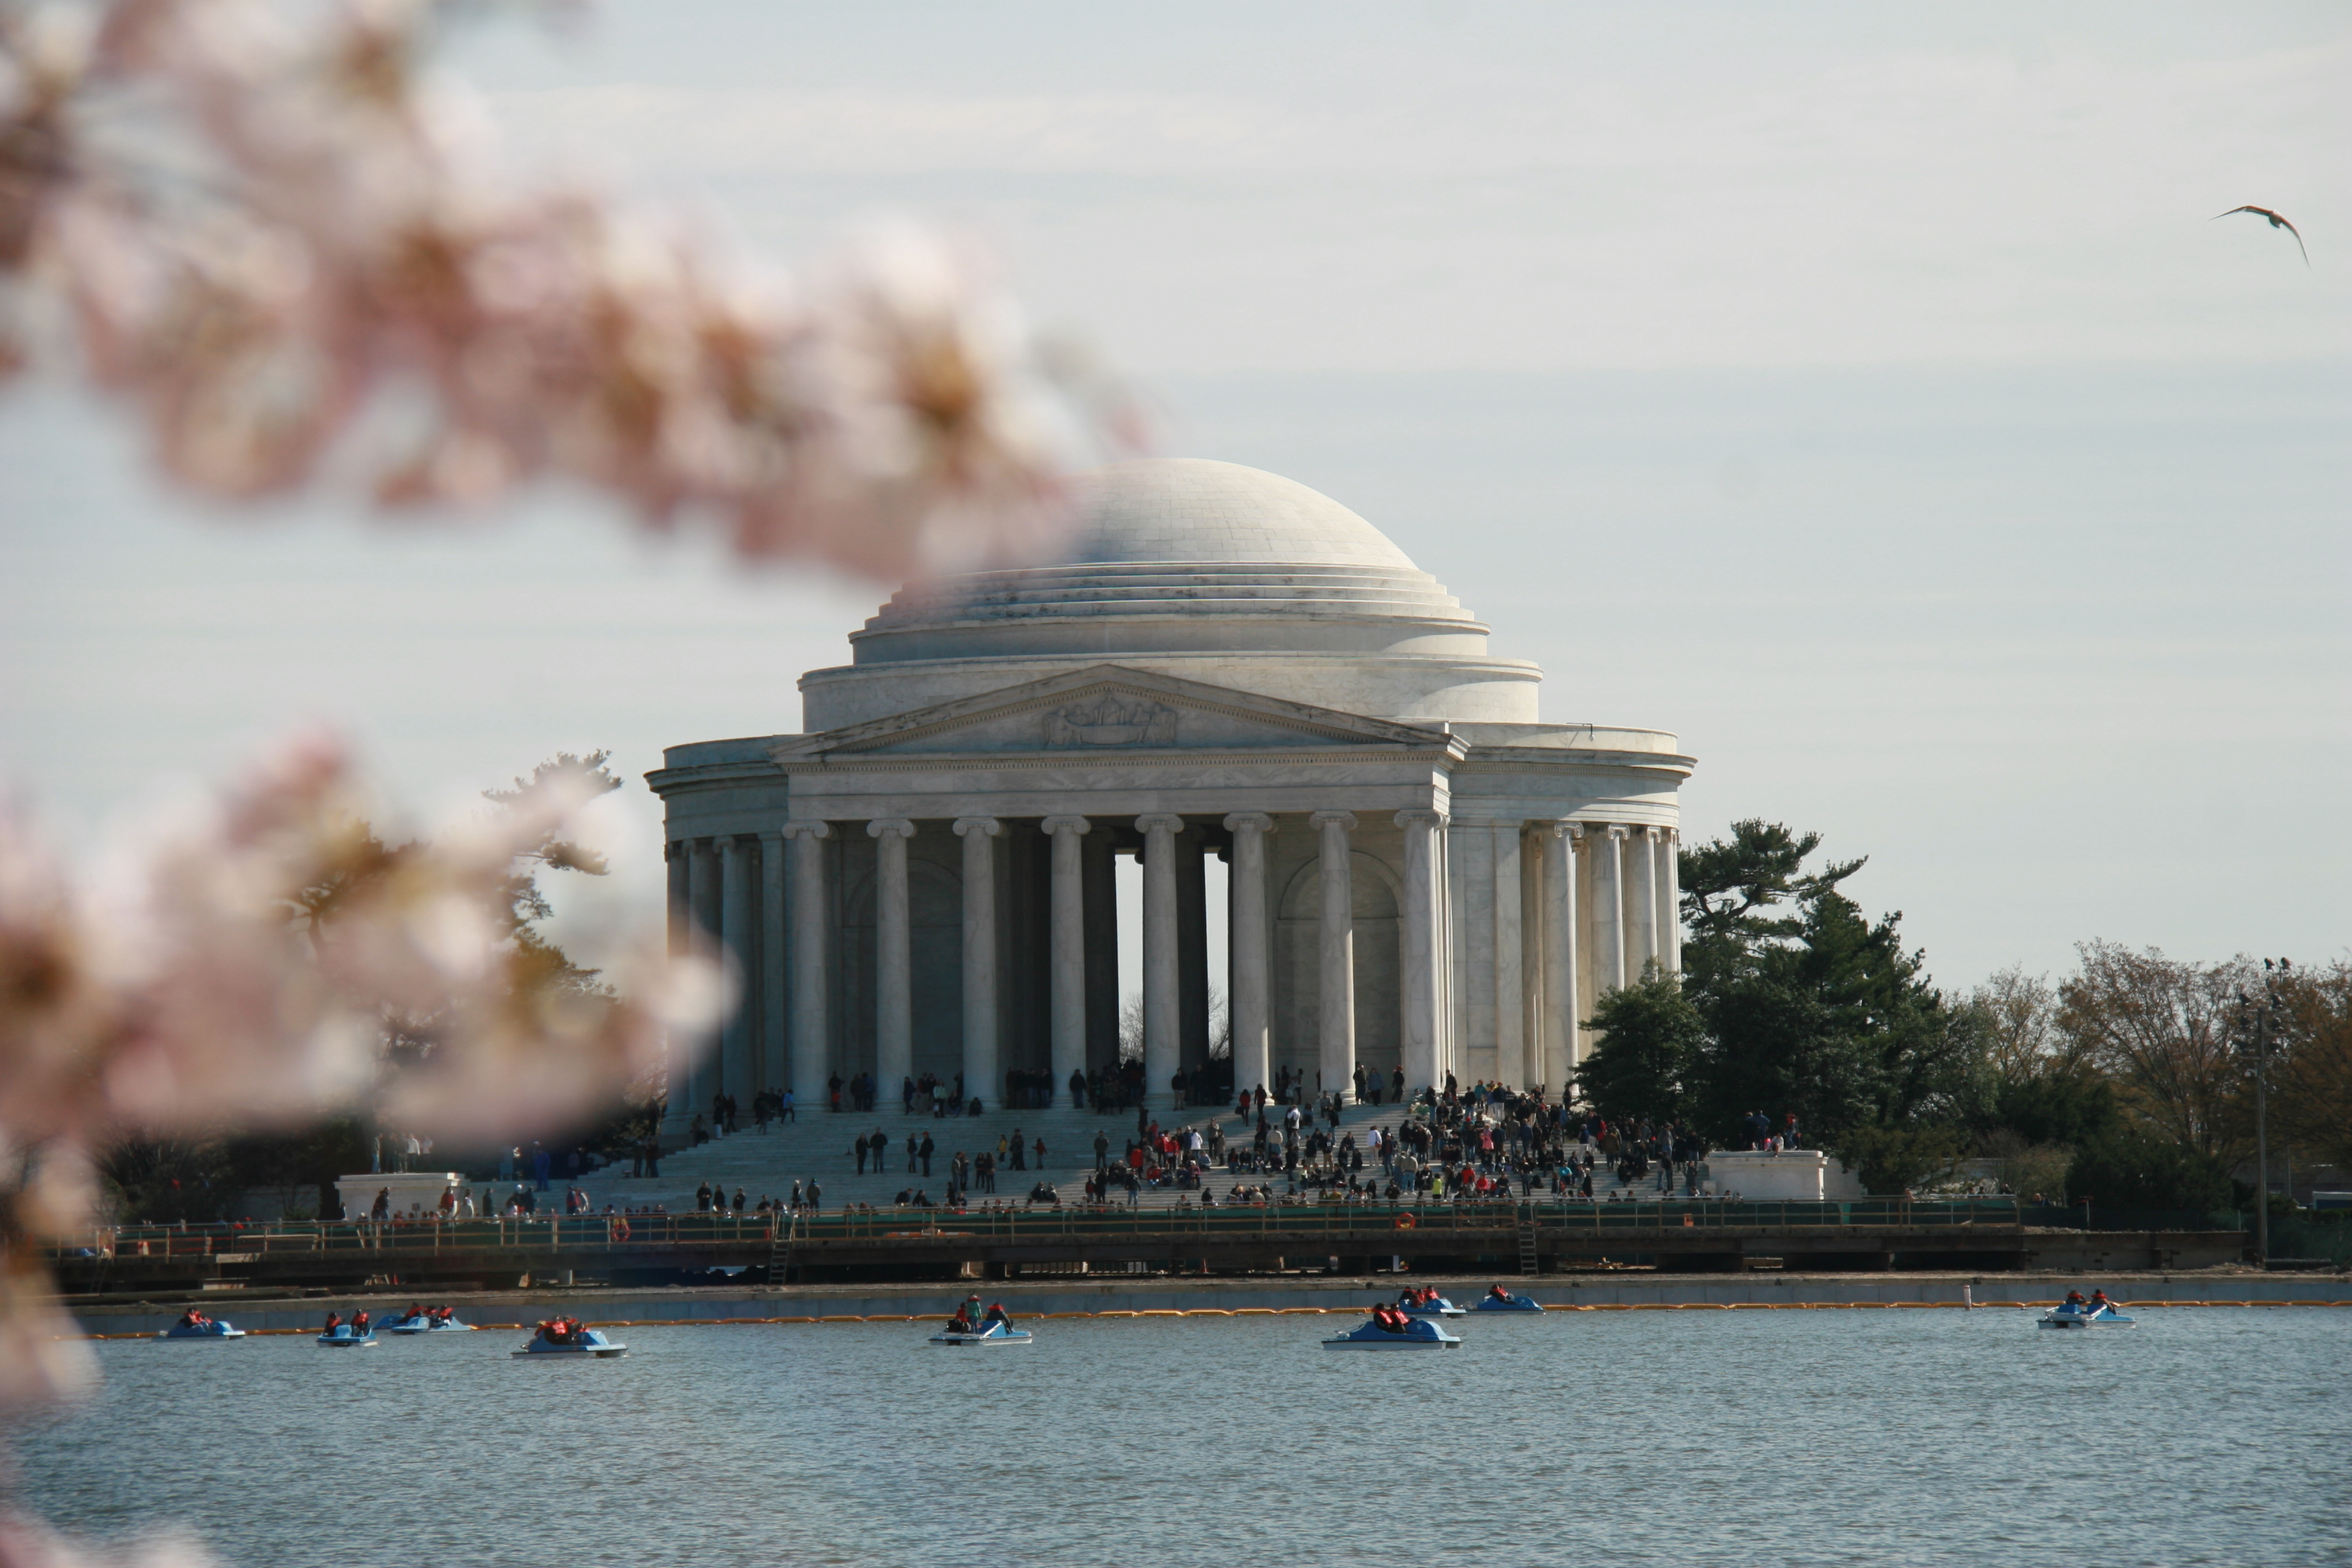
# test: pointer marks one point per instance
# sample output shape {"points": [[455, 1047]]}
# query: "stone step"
{"points": [[818, 1146]]}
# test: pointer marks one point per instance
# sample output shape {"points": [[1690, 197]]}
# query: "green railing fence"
{"points": [[648, 1234]]}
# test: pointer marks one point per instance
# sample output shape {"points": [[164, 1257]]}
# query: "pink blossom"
{"points": [[328, 246]]}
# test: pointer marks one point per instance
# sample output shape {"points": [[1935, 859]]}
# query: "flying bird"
{"points": [[2276, 222]]}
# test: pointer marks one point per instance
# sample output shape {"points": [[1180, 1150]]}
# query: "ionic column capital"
{"points": [[1065, 824], [965, 825], [1571, 831], [1248, 821], [1420, 816], [1617, 831], [806, 830], [883, 826], [1346, 819], [1159, 820]]}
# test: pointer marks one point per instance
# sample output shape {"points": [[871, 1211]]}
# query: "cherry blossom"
{"points": [[282, 241], [245, 980]]}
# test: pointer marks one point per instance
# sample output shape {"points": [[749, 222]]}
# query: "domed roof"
{"points": [[1186, 538], [1194, 509], [1209, 571]]}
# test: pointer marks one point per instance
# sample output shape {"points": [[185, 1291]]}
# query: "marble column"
{"points": [[894, 961], [1067, 980], [810, 1057], [1249, 956], [1670, 900], [702, 887], [1337, 951], [981, 1075], [1162, 1018], [1608, 909], [1640, 901], [738, 874], [1560, 955], [1510, 960], [1417, 987], [773, 1070], [677, 1113]]}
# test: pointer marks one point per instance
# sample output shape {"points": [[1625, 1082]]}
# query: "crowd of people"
{"points": [[1482, 1141]]}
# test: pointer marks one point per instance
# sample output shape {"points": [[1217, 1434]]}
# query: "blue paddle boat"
{"points": [[1418, 1334], [1414, 1306], [195, 1325], [340, 1338], [2068, 1315], [1501, 1301], [997, 1332], [426, 1323], [566, 1337]]}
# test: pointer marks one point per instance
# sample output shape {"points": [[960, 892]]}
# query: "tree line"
{"points": [[2128, 1082]]}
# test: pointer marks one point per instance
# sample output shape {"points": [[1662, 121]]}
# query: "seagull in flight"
{"points": [[2276, 222]]}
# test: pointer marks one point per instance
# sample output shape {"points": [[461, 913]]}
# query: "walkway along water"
{"points": [[1528, 1238], [1320, 1294]]}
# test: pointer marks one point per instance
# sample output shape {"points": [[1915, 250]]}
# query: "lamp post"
{"points": [[2265, 1018]]}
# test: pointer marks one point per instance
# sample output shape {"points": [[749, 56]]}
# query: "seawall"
{"points": [[1120, 1297]]}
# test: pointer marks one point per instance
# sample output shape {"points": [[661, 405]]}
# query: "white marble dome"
{"points": [[1194, 509], [1210, 571]]}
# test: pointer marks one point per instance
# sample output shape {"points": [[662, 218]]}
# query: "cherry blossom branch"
{"points": [[322, 272], [245, 979]]}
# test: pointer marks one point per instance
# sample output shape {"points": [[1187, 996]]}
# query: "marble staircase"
{"points": [[818, 1146]]}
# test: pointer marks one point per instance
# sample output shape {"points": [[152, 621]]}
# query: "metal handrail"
{"points": [[657, 1233]]}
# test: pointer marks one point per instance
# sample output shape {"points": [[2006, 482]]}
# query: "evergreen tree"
{"points": [[1809, 1007], [1651, 1037]]}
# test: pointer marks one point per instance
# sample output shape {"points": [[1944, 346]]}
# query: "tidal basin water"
{"points": [[2205, 1436]]}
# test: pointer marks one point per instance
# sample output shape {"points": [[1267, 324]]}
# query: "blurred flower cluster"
{"points": [[249, 975], [269, 227], [275, 233]]}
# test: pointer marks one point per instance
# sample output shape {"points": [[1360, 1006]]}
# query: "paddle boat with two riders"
{"points": [[972, 1326], [2077, 1312], [357, 1333], [426, 1320], [568, 1337], [1424, 1301], [1497, 1300], [1390, 1328], [195, 1325]]}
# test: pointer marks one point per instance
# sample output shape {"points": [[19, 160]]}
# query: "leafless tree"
{"points": [[2160, 1029]]}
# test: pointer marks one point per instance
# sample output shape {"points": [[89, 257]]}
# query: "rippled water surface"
{"points": [[1615, 1438]]}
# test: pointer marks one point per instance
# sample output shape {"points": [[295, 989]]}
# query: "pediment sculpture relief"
{"points": [[1107, 721]]}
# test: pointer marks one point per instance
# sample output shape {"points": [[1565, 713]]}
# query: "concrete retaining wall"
{"points": [[1214, 1297]]}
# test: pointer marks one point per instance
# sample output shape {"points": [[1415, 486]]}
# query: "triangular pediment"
{"points": [[1107, 709]]}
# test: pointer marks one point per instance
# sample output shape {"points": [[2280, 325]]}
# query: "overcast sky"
{"points": [[1861, 393]]}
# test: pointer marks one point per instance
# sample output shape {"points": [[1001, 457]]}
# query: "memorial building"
{"points": [[1421, 874]]}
